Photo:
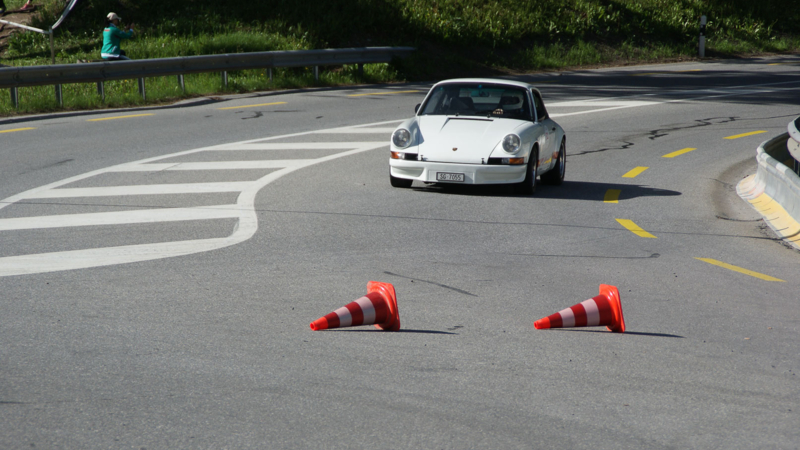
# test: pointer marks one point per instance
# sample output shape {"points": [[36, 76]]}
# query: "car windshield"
{"points": [[478, 99]]}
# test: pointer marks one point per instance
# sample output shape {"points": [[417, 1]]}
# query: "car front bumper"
{"points": [[473, 173]]}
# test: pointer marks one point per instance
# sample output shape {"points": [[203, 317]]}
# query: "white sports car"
{"points": [[479, 131]]}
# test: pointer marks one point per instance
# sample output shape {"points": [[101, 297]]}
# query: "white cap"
{"points": [[112, 16]]}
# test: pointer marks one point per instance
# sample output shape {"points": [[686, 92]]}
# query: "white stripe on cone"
{"points": [[367, 308], [592, 312], [567, 317], [345, 319]]}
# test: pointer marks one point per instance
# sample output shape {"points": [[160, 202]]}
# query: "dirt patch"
{"points": [[16, 16]]}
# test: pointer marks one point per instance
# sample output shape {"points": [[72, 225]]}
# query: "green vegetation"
{"points": [[453, 37]]}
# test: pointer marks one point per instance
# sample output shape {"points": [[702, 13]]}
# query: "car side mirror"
{"points": [[416, 108]]}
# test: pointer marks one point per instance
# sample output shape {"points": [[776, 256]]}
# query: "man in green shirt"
{"points": [[112, 36]]}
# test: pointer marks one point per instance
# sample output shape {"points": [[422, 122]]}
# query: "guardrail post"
{"points": [[225, 80], [182, 83], [59, 95], [269, 73], [142, 89], [101, 89], [316, 73], [15, 97], [52, 47], [702, 43], [361, 71]]}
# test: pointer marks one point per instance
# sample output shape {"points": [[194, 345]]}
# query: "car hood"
{"points": [[462, 139]]}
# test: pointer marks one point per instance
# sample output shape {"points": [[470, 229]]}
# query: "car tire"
{"points": [[555, 176], [399, 182], [528, 185]]}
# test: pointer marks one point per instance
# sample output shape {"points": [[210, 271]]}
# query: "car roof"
{"points": [[487, 81]]}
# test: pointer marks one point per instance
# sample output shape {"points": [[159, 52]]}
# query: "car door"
{"points": [[549, 149]]}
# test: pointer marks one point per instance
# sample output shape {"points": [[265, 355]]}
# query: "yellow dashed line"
{"points": [[737, 136], [612, 196], [383, 93], [119, 117], [253, 106], [633, 173], [635, 229], [678, 153], [16, 129], [740, 270]]}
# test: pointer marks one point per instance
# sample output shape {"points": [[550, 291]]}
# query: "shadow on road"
{"points": [[635, 333], [570, 190], [373, 330]]}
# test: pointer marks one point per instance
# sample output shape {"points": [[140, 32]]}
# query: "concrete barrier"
{"points": [[774, 190]]}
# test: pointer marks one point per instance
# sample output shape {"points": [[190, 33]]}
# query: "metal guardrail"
{"points": [[100, 72]]}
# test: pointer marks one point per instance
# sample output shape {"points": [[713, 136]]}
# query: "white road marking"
{"points": [[387, 131], [151, 189], [602, 105], [216, 165], [243, 210], [121, 217], [594, 103], [298, 145]]}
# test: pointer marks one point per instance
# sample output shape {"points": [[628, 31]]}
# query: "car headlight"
{"points": [[401, 138], [511, 143]]}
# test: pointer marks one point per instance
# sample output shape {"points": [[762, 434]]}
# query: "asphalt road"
{"points": [[159, 269]]}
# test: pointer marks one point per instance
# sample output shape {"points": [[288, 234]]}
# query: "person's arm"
{"points": [[122, 34]]}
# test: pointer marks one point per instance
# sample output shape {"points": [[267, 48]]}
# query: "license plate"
{"points": [[447, 176]]}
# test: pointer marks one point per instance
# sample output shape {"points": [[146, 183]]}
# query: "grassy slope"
{"points": [[454, 37]]}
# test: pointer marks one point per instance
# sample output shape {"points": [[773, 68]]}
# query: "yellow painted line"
{"points": [[383, 93], [737, 136], [740, 270], [633, 173], [612, 196], [679, 152], [784, 64], [253, 106], [16, 129], [120, 117], [635, 229]]}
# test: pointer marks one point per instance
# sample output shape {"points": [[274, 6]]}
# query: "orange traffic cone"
{"points": [[378, 307], [605, 309]]}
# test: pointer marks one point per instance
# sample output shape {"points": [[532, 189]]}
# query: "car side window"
{"points": [[541, 113]]}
